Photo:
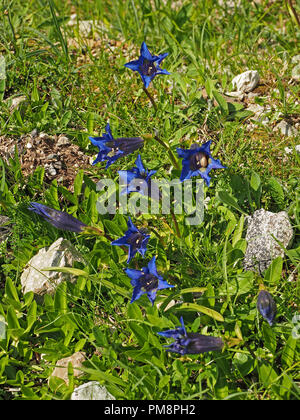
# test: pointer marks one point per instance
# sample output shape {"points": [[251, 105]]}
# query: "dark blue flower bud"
{"points": [[266, 306], [58, 219], [191, 343]]}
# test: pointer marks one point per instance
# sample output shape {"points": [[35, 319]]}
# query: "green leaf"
{"points": [[11, 318], [237, 235], [11, 291], [269, 338], [100, 376], [244, 363], [221, 102], [78, 182], [241, 284], [181, 292], [68, 270], [60, 298], [226, 198], [31, 316], [90, 123], [267, 375], [255, 181], [199, 308], [2, 89], [287, 356], [276, 192], [274, 271], [112, 228]]}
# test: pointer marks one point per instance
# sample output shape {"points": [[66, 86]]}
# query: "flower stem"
{"points": [[169, 150], [176, 224], [150, 98]]}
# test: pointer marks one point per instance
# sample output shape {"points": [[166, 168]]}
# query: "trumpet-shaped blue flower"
{"points": [[147, 65], [191, 343], [198, 161], [58, 219], [266, 306], [135, 239], [111, 149], [138, 179], [146, 281]]}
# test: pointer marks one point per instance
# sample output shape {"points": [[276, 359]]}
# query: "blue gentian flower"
{"points": [[138, 179], [266, 306], [191, 343], [198, 161], [58, 219], [146, 281], [135, 239], [147, 65], [111, 149]]}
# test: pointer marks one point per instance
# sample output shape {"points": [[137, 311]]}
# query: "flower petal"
{"points": [[145, 53]]}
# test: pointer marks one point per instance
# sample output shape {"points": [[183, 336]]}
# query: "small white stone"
{"points": [[246, 82], [286, 129], [296, 59], [60, 254], [91, 391]]}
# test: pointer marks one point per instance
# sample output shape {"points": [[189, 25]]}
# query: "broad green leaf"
{"points": [[226, 198], [269, 338], [12, 319], [274, 271], [255, 181], [113, 228], [237, 235], [78, 182], [60, 298], [181, 292], [199, 308], [11, 291], [69, 270], [276, 191], [287, 356], [31, 316], [244, 363], [221, 102], [267, 374]]}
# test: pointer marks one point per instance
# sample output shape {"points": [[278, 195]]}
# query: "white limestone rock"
{"points": [[246, 82], [91, 391], [286, 129], [60, 254]]}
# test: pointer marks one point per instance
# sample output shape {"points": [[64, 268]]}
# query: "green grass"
{"points": [[74, 85]]}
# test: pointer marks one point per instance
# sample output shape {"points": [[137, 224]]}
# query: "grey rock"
{"points": [[61, 366], [63, 141], [51, 171], [296, 73], [60, 254], [286, 129], [296, 59], [246, 82], [261, 246], [91, 391]]}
